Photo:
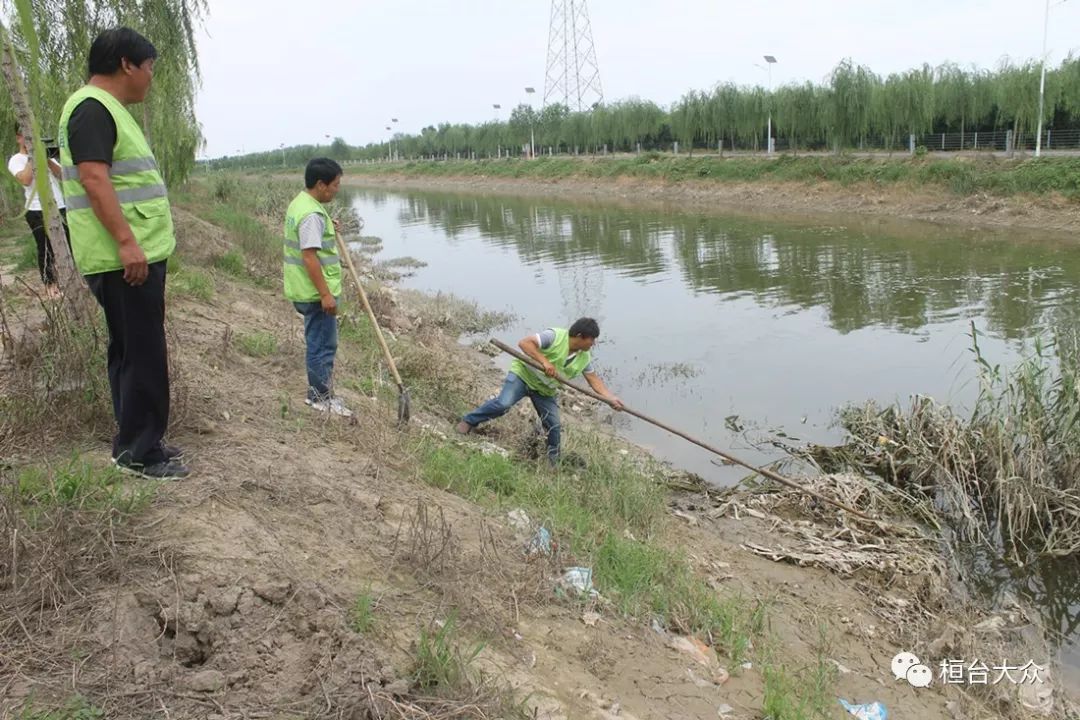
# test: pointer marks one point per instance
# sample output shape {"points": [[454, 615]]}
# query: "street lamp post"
{"points": [[532, 133], [389, 145], [1042, 75], [497, 107], [397, 156], [770, 61]]}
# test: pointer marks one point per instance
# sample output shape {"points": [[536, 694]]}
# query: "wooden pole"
{"points": [[730, 458]]}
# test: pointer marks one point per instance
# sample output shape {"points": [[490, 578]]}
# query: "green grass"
{"points": [[804, 692], [232, 263], [257, 243], [77, 708], [961, 176], [193, 282], [27, 257], [258, 344], [362, 613], [442, 661], [609, 516], [81, 486]]}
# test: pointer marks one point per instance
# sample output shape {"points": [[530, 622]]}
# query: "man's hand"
{"points": [[615, 402], [134, 261], [337, 226], [549, 369], [329, 304]]}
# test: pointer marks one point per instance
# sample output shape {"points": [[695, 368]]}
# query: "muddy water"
{"points": [[749, 331]]}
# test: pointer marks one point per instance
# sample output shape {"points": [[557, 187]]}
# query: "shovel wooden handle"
{"points": [[343, 250], [730, 458]]}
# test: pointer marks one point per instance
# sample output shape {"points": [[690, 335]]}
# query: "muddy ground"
{"points": [[230, 596]]}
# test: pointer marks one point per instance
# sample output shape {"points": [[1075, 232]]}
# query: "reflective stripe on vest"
{"points": [[323, 260], [124, 167], [139, 187], [147, 192]]}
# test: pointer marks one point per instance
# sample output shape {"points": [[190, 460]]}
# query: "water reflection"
{"points": [[860, 278]]}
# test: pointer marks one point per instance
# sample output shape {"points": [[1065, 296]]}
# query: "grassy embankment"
{"points": [[962, 176], [72, 513]]}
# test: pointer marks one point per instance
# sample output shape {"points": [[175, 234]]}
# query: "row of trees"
{"points": [[851, 107]]}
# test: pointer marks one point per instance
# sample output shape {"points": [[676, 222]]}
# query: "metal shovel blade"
{"points": [[403, 408]]}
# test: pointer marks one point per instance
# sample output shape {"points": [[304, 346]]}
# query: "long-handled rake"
{"points": [[403, 409]]}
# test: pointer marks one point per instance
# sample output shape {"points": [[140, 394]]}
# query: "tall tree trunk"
{"points": [[67, 275]]}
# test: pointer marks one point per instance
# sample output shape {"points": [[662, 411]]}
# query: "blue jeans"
{"points": [[513, 390], [321, 336]]}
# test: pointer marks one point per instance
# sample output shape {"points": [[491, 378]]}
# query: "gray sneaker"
{"points": [[164, 470], [333, 405]]}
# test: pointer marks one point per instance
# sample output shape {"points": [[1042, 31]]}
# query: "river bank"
{"points": [[881, 190], [322, 569]]}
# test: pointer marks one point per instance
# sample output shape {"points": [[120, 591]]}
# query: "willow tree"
{"points": [[851, 102], [45, 49], [912, 100], [797, 113], [961, 97], [1017, 96], [24, 88], [65, 30], [1070, 86]]}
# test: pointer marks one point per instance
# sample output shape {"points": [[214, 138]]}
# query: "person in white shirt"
{"points": [[20, 166]]}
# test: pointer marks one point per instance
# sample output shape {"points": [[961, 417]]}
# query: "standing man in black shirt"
{"points": [[121, 237]]}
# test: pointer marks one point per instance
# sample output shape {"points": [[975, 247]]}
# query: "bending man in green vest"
{"points": [[559, 351], [121, 236], [312, 273]]}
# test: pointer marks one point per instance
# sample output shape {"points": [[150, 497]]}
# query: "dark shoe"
{"points": [[171, 452], [164, 470], [464, 428]]}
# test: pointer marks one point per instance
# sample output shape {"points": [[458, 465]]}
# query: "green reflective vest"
{"points": [[139, 188], [298, 285], [557, 354]]}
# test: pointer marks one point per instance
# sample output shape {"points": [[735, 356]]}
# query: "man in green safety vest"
{"points": [[558, 351], [121, 237], [312, 274]]}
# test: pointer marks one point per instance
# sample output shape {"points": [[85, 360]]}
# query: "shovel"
{"points": [[403, 392]]}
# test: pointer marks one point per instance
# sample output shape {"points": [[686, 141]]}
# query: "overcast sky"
{"points": [[277, 72]]}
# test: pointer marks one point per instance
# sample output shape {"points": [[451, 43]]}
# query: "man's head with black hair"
{"points": [[122, 61], [322, 178], [583, 334], [585, 327]]}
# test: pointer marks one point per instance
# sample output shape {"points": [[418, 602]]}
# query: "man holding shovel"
{"points": [[312, 274], [558, 351]]}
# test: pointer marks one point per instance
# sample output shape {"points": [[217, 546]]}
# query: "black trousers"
{"points": [[46, 260], [138, 361]]}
